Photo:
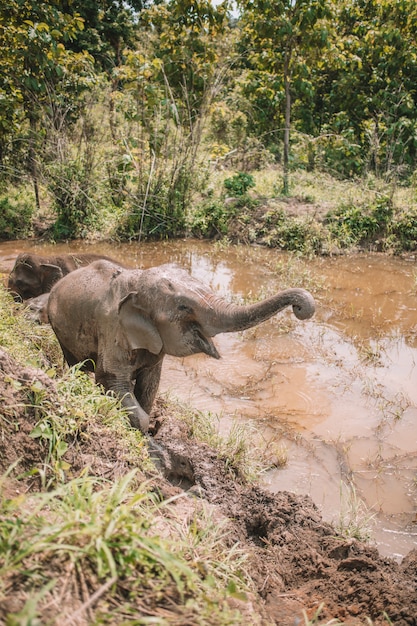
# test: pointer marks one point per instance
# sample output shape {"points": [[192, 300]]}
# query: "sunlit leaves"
{"points": [[188, 43]]}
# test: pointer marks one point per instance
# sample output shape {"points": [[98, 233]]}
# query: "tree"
{"points": [[189, 42], [171, 78], [110, 26], [367, 85], [278, 39], [37, 71]]}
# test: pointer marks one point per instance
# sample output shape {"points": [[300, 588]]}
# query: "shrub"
{"points": [[296, 234], [161, 216], [352, 225], [74, 199], [16, 214], [239, 184], [404, 230], [211, 218]]}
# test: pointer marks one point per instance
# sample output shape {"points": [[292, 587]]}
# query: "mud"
{"points": [[297, 561], [337, 393]]}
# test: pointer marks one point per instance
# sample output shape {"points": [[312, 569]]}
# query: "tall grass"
{"points": [[85, 548]]}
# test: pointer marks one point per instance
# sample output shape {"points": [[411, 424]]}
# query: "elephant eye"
{"points": [[185, 308]]}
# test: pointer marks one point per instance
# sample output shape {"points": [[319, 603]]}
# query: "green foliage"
{"points": [[404, 231], [211, 218], [157, 213], [104, 535], [239, 184], [296, 234], [109, 28], [174, 89], [16, 212], [28, 342], [71, 185], [339, 152], [352, 225], [189, 46]]}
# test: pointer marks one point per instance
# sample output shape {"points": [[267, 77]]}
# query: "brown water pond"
{"points": [[338, 393]]}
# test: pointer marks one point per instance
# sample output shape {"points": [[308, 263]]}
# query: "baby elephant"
{"points": [[123, 322], [33, 275], [36, 309]]}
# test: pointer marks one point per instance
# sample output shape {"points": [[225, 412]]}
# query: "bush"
{"points": [[211, 218], [74, 199], [351, 225], [404, 231], [296, 234], [239, 184], [162, 216], [16, 214]]}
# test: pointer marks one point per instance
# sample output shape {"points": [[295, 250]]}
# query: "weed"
{"points": [[27, 342], [295, 271], [354, 518], [354, 224], [404, 230], [99, 536], [315, 618], [236, 448], [211, 218]]}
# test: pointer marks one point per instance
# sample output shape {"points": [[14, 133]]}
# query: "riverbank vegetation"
{"points": [[291, 124], [83, 507], [92, 532]]}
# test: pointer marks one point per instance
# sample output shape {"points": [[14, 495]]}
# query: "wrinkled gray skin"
{"points": [[33, 275], [36, 309], [126, 321]]}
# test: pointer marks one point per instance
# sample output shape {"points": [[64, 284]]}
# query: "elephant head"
{"points": [[126, 321], [35, 309], [168, 310], [33, 275]]}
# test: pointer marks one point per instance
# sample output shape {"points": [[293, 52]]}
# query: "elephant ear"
{"points": [[138, 328], [51, 274]]}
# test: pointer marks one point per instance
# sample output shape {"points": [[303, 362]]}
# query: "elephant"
{"points": [[36, 309], [120, 323], [33, 275]]}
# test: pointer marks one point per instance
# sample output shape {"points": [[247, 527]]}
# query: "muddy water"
{"points": [[338, 393]]}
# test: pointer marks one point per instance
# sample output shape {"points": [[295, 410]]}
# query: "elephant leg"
{"points": [[147, 384], [138, 417], [68, 356]]}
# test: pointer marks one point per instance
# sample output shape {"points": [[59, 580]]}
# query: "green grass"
{"points": [[83, 546], [243, 458], [96, 545], [355, 519]]}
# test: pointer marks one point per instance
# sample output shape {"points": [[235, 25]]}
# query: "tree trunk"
{"points": [[32, 161], [287, 86]]}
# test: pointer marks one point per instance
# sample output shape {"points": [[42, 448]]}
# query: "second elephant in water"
{"points": [[123, 322], [33, 275]]}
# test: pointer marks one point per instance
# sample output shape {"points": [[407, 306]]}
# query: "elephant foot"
{"points": [[137, 416], [141, 421]]}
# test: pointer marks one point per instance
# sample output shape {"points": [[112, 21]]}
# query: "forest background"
{"points": [[139, 120]]}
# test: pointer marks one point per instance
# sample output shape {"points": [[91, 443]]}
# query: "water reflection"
{"points": [[340, 389]]}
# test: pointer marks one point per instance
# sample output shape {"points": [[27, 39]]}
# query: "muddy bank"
{"points": [[296, 560]]}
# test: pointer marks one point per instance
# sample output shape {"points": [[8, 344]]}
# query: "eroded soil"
{"points": [[296, 560]]}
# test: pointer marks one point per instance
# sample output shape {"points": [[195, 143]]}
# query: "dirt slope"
{"points": [[296, 560]]}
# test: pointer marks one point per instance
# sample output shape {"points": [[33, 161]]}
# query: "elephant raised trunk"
{"points": [[126, 321], [230, 318]]}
